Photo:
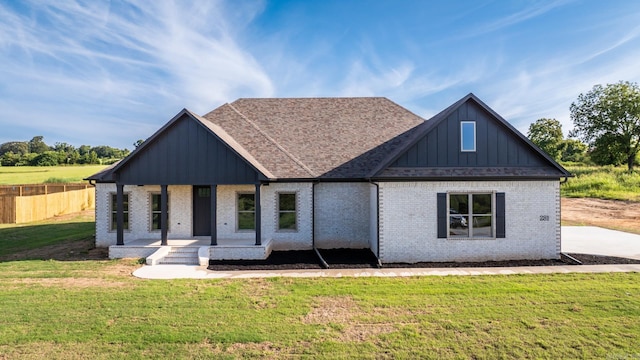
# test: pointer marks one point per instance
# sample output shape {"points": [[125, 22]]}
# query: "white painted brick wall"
{"points": [[342, 215], [408, 224], [287, 239], [180, 209]]}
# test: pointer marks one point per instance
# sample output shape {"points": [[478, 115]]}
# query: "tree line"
{"points": [[606, 128], [36, 152]]}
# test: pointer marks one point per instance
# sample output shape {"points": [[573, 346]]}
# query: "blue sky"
{"points": [[109, 73]]}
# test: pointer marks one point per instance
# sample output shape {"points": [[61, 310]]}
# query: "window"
{"points": [[287, 215], [468, 136], [471, 215], [156, 212], [114, 211], [246, 211]]}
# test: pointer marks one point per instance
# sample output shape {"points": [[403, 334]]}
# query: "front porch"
{"points": [[197, 249]]}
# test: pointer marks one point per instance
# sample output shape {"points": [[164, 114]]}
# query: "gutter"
{"points": [[377, 221], [313, 225]]}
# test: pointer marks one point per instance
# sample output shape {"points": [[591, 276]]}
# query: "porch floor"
{"points": [[192, 242], [227, 249]]}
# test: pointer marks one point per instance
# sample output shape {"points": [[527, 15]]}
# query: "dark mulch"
{"points": [[364, 258]]}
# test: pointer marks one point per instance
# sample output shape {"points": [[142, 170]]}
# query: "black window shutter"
{"points": [[442, 215], [500, 221]]}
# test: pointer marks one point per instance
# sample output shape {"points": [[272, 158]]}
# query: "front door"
{"points": [[201, 210]]}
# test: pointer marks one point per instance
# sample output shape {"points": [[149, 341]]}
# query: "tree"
{"points": [[608, 119], [573, 150], [138, 143], [37, 145], [16, 147], [47, 158], [547, 135]]}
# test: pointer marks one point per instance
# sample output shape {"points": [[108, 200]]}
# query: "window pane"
{"points": [[155, 202], [459, 204], [246, 202], [155, 221], [114, 211], [114, 221], [458, 226], [468, 136], [204, 192], [287, 221], [482, 226], [287, 202], [246, 221], [481, 203]]}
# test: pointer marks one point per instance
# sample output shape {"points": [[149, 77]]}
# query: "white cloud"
{"points": [[131, 56]]}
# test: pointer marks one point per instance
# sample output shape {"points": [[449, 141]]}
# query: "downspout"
{"points": [[377, 221], [313, 225]]}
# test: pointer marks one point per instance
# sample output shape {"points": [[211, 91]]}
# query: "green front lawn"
{"points": [[94, 309]]}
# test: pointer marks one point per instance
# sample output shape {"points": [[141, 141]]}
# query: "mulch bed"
{"points": [[364, 258]]}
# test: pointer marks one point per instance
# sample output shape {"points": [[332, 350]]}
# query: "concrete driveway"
{"points": [[599, 241]]}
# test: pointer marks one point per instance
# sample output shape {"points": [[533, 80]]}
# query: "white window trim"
{"points": [[150, 207], [493, 215], [462, 123], [112, 209], [237, 212], [297, 212]]}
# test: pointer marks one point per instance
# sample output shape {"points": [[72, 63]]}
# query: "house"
{"points": [[259, 175]]}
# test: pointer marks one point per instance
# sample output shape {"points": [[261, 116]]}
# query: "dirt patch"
{"points": [[344, 311], [336, 309], [611, 214], [64, 251]]}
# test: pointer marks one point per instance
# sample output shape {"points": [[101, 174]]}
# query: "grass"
{"points": [[83, 310], [15, 175], [603, 182], [15, 238], [96, 309]]}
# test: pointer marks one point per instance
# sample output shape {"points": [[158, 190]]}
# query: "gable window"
{"points": [[113, 204], [287, 214], [468, 136], [156, 212], [246, 205], [471, 215]]}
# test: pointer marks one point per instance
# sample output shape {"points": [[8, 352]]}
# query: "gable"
{"points": [[434, 150], [495, 144], [183, 153]]}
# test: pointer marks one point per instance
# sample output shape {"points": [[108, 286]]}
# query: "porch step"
{"points": [[181, 256]]}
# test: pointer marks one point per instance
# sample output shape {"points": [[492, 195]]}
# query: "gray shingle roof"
{"points": [[330, 138]]}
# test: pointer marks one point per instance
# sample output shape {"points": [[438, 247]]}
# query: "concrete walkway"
{"points": [[201, 272], [599, 241], [575, 239]]}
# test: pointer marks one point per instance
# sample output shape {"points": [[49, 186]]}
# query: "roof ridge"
{"points": [[255, 126]]}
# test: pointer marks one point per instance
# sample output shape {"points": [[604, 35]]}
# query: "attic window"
{"points": [[468, 136]]}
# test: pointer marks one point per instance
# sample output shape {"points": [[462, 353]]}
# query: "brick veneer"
{"points": [[408, 231]]}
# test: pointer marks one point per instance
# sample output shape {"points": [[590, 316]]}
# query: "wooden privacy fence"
{"points": [[26, 203]]}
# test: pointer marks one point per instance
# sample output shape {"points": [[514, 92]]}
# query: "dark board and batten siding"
{"points": [[187, 153], [495, 144]]}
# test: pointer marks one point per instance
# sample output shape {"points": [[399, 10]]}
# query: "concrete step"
{"points": [[183, 250], [181, 255], [180, 260]]}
